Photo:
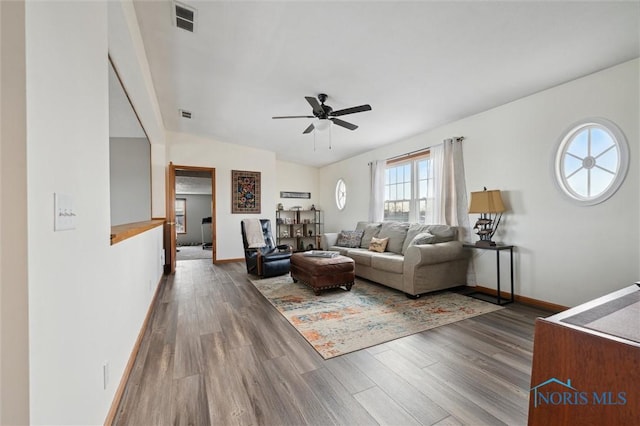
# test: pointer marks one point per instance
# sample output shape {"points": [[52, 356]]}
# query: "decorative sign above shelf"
{"points": [[289, 194]]}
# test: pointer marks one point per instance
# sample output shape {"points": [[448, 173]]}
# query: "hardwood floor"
{"points": [[216, 352]]}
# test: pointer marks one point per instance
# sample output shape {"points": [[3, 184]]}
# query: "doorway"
{"points": [[191, 213]]}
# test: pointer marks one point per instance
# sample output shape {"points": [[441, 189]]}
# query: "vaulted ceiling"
{"points": [[419, 64]]}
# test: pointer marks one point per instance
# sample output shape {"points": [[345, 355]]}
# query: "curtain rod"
{"points": [[458, 139]]}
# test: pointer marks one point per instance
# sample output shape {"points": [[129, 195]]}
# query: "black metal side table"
{"points": [[498, 299]]}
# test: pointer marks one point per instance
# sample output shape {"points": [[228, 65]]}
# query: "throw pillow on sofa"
{"points": [[378, 244], [414, 229], [443, 233], [350, 239], [423, 238]]}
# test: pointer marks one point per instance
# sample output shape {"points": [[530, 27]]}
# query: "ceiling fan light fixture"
{"points": [[322, 124]]}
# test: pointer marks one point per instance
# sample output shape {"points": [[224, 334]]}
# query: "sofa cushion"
{"points": [[443, 233], [370, 230], [378, 244], [349, 239], [360, 256], [341, 250], [389, 262], [414, 229], [423, 238], [396, 232]]}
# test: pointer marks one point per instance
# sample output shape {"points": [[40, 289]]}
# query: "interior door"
{"points": [[171, 214]]}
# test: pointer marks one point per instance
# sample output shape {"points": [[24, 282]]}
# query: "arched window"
{"points": [[341, 194]]}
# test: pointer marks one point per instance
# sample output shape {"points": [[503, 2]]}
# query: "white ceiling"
{"points": [[419, 64]]}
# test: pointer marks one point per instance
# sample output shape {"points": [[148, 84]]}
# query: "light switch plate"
{"points": [[64, 213]]}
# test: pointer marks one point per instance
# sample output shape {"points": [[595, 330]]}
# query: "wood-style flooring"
{"points": [[216, 352]]}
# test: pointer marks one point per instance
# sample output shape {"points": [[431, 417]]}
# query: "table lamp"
{"points": [[490, 207]]}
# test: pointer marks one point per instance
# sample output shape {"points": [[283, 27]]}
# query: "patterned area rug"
{"points": [[338, 322]]}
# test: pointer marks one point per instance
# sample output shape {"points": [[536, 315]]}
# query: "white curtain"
{"points": [[450, 191], [376, 198]]}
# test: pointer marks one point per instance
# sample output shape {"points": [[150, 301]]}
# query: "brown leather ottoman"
{"points": [[321, 273]]}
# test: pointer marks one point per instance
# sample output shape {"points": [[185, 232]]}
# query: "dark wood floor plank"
{"points": [[231, 323], [418, 405], [449, 421], [448, 399], [228, 402], [284, 339], [410, 353], [465, 348], [152, 402], [292, 387], [343, 408], [217, 352], [190, 405], [351, 378], [482, 390], [206, 311], [268, 404], [188, 352], [384, 409]]}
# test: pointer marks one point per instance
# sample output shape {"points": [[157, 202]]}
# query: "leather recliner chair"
{"points": [[268, 261]]}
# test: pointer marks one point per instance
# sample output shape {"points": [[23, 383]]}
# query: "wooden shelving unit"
{"points": [[301, 229]]}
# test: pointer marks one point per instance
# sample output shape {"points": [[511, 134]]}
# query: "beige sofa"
{"points": [[408, 264]]}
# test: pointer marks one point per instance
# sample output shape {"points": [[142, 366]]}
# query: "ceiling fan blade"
{"points": [[351, 110], [317, 108], [294, 116], [308, 129], [344, 124]]}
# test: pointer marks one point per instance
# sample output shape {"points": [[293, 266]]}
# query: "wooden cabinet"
{"points": [[301, 229], [586, 364]]}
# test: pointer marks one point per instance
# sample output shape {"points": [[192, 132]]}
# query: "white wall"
{"points": [[297, 178], [87, 299], [190, 150], [130, 61], [129, 177], [14, 342], [198, 207], [565, 254]]}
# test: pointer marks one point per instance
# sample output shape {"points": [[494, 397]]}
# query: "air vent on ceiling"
{"points": [[185, 114], [185, 17]]}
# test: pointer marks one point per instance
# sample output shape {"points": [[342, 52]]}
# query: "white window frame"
{"points": [[414, 210], [561, 175], [341, 194]]}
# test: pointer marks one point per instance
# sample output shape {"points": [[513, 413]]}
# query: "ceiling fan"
{"points": [[325, 114]]}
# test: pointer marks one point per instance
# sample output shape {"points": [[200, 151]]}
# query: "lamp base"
{"points": [[485, 243]]}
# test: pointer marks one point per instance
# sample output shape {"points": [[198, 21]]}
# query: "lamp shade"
{"points": [[486, 202]]}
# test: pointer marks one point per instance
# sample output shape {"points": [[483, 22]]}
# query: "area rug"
{"points": [[338, 322]]}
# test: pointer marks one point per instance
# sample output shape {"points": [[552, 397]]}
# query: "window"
{"points": [[341, 194], [181, 215], [591, 161], [408, 189]]}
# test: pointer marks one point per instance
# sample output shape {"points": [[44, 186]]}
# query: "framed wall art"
{"points": [[245, 191], [291, 194]]}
